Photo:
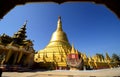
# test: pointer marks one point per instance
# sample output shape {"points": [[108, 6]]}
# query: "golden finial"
{"points": [[59, 24], [76, 51], [59, 17], [73, 49]]}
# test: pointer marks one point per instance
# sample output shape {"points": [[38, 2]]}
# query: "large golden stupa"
{"points": [[54, 55]]}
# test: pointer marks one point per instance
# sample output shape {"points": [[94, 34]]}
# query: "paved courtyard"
{"points": [[115, 72]]}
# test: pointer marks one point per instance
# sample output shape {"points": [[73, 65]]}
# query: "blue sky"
{"points": [[91, 28]]}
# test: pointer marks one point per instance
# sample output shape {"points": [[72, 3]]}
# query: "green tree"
{"points": [[116, 58]]}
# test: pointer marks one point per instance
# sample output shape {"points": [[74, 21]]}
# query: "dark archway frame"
{"points": [[7, 5]]}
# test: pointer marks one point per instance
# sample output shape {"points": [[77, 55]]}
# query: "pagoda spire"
{"points": [[21, 34], [73, 49], [107, 57], [59, 24]]}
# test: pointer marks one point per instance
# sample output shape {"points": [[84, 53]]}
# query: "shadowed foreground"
{"points": [[115, 72]]}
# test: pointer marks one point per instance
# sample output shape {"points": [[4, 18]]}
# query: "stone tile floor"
{"points": [[115, 72]]}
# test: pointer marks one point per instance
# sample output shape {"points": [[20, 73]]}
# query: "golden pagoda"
{"points": [[16, 50], [53, 56]]}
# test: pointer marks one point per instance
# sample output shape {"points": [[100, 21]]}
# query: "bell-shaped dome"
{"points": [[59, 37]]}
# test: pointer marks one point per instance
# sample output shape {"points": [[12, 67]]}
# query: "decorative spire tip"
{"points": [[59, 24], [25, 22], [59, 17]]}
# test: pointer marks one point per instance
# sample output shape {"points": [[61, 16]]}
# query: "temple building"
{"points": [[54, 55], [58, 54], [16, 50]]}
